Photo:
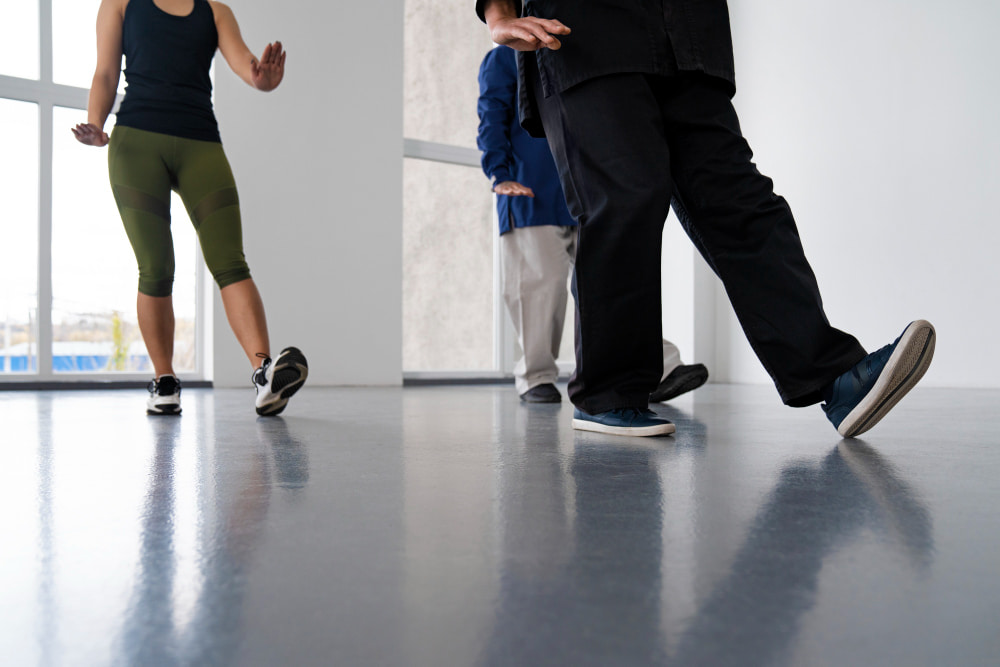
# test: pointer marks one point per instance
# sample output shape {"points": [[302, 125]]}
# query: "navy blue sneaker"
{"points": [[623, 421], [863, 395]]}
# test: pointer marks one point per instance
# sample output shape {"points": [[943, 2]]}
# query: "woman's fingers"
{"points": [[272, 54], [89, 134]]}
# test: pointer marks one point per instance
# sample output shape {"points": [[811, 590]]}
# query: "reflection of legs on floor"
{"points": [[907, 520], [291, 460], [752, 615]]}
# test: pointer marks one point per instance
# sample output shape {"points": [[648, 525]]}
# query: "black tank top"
{"points": [[167, 59]]}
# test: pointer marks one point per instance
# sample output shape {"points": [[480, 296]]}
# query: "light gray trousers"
{"points": [[535, 264]]}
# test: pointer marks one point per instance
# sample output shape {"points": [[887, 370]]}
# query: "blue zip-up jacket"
{"points": [[511, 154]]}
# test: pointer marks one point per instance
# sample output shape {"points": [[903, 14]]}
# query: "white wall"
{"points": [[318, 163], [877, 120]]}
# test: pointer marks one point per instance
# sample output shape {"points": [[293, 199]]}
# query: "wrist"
{"points": [[498, 10]]}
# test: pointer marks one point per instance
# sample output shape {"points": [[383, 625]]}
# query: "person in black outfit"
{"points": [[635, 101]]}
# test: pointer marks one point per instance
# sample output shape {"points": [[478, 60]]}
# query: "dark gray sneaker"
{"points": [[277, 381], [679, 381], [542, 393], [863, 395]]}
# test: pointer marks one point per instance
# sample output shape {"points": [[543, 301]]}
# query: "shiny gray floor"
{"points": [[454, 526]]}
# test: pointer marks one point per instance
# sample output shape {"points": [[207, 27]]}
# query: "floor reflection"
{"points": [[752, 615], [579, 578], [582, 549], [232, 513], [458, 526]]}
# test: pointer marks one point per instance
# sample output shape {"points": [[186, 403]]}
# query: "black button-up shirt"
{"points": [[617, 36]]}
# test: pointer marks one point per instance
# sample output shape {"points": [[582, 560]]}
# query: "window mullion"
{"points": [[45, 41], [45, 238], [45, 140]]}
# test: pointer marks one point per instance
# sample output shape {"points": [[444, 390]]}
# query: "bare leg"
{"points": [[245, 312], [156, 322]]}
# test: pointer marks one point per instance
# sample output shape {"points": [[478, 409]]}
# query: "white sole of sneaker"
{"points": [[907, 364], [640, 431], [165, 409]]}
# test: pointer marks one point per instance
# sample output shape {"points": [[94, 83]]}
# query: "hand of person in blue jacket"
{"points": [[513, 189]]}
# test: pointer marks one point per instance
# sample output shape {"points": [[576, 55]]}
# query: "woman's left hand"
{"points": [[90, 134], [269, 72]]}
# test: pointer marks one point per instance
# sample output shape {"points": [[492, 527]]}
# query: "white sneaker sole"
{"points": [[172, 408], [641, 431], [907, 364]]}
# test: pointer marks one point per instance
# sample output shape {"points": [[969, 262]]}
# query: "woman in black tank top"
{"points": [[166, 138], [140, 31]]}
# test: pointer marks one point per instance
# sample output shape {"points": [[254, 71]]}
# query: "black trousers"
{"points": [[628, 146]]}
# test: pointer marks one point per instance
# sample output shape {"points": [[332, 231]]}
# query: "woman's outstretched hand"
{"points": [[90, 134], [269, 72]]}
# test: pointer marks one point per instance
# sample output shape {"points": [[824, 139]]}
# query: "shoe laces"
{"points": [[259, 376], [631, 413]]}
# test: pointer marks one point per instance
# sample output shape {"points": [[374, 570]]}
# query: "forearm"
{"points": [[497, 10], [496, 166], [102, 98], [242, 64]]}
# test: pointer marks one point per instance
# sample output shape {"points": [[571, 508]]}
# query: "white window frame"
{"points": [[47, 95], [504, 336], [503, 331]]}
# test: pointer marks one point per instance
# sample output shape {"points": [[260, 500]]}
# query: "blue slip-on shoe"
{"points": [[864, 394], [623, 421]]}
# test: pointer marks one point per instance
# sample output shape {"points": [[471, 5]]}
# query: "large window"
{"points": [[67, 308], [454, 323], [19, 266]]}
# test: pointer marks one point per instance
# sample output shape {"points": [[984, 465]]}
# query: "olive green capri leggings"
{"points": [[144, 167]]}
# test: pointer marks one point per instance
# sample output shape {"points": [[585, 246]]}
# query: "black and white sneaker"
{"points": [[164, 396], [277, 381]]}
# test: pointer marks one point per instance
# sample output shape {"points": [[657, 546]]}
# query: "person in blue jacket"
{"points": [[538, 239]]}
